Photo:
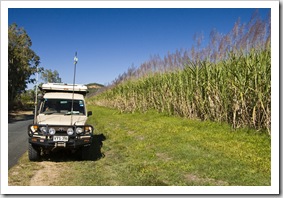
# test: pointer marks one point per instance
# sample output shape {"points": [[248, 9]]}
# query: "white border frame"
{"points": [[273, 189]]}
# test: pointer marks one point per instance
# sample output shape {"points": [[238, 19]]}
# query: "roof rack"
{"points": [[64, 87]]}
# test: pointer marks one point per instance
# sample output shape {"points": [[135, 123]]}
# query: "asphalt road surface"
{"points": [[17, 140]]}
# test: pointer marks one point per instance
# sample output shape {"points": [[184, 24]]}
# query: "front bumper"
{"points": [[44, 138], [48, 142]]}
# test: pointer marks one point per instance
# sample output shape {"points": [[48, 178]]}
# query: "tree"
{"points": [[22, 62], [50, 76]]}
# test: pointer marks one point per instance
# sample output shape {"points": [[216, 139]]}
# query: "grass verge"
{"points": [[155, 149], [152, 149], [21, 174]]}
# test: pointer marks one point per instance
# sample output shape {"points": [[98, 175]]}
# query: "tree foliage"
{"points": [[22, 61], [50, 76]]}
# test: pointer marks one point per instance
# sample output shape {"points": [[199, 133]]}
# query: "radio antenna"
{"points": [[35, 103], [74, 80]]}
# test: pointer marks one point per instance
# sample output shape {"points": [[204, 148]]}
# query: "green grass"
{"points": [[154, 149], [21, 174]]}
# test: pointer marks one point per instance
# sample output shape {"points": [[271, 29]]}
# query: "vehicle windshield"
{"points": [[62, 106]]}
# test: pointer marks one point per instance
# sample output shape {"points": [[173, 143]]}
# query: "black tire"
{"points": [[33, 153]]}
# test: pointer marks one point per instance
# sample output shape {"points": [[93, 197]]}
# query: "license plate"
{"points": [[60, 138]]}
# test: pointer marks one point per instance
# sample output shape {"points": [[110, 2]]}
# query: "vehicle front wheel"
{"points": [[33, 153]]}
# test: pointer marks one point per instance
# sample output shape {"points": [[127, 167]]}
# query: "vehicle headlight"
{"points": [[88, 129], [34, 128], [43, 129], [70, 131], [52, 131], [79, 130]]}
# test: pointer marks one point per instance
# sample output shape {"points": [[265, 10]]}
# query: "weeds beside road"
{"points": [[153, 149]]}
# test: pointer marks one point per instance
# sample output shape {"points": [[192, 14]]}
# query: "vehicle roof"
{"points": [[64, 87], [63, 95]]}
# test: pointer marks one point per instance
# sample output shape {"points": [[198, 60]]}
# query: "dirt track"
{"points": [[47, 175]]}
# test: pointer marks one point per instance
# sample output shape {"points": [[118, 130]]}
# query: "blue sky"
{"points": [[110, 40]]}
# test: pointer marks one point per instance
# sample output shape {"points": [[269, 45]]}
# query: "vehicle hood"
{"points": [[61, 119]]}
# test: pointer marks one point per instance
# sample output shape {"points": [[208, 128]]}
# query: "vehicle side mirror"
{"points": [[40, 96], [89, 113]]}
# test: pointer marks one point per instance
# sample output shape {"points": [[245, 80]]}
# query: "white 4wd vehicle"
{"points": [[60, 121]]}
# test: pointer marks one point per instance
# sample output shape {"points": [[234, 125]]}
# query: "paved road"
{"points": [[17, 140]]}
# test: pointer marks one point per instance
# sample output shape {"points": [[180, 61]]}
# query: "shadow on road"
{"points": [[19, 117], [66, 155]]}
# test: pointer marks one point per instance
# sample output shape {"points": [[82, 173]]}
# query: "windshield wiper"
{"points": [[50, 112]]}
